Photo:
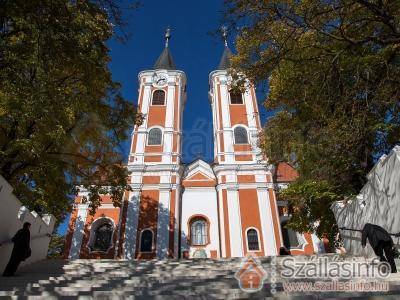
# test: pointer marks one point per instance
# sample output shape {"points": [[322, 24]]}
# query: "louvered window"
{"points": [[236, 97], [155, 136], [158, 97], [240, 135]]}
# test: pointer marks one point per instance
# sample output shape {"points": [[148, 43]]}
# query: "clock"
{"points": [[160, 79]]}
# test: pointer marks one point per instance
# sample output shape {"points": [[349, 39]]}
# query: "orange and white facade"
{"points": [[226, 208]]}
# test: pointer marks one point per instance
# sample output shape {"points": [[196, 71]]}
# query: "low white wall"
{"points": [[378, 203], [200, 201], [12, 217]]}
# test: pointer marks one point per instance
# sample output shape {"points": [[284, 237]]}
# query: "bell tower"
{"points": [[152, 208], [247, 206]]}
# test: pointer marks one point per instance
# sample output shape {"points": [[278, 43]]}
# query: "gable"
{"points": [[199, 176]]}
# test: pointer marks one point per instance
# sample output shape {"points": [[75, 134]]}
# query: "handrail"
{"points": [[33, 238], [359, 230]]}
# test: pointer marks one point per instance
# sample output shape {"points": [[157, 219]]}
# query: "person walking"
{"points": [[21, 250], [381, 242]]}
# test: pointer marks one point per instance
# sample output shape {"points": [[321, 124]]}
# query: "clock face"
{"points": [[160, 79]]}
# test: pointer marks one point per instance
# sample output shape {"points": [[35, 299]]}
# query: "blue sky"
{"points": [[194, 50]]}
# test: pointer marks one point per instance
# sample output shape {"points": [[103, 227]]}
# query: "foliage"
{"points": [[62, 117], [333, 69], [310, 203], [56, 246]]}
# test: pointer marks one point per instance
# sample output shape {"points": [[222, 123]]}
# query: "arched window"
{"points": [[102, 237], [146, 241], [252, 240], [236, 97], [198, 231], [155, 136], [240, 135], [158, 97]]}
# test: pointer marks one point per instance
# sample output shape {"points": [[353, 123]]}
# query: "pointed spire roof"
{"points": [[225, 62], [165, 60]]}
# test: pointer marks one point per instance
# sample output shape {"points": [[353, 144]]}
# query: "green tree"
{"points": [[56, 246], [62, 117], [333, 69]]}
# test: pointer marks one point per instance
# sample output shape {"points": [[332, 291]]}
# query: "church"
{"points": [[227, 208]]}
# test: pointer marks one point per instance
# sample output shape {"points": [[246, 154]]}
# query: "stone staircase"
{"points": [[172, 279]]}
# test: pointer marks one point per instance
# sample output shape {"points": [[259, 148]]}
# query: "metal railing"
{"points": [[360, 230]]}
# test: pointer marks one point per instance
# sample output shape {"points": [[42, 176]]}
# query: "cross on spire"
{"points": [[165, 60], [167, 36], [224, 31]]}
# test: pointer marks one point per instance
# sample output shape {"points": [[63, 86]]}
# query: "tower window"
{"points": [[158, 97], [240, 135], [236, 97], [198, 232], [155, 136], [146, 241], [252, 240]]}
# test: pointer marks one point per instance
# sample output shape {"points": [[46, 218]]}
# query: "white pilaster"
{"points": [[267, 225], [226, 121], [77, 237], [235, 224], [141, 138], [222, 223], [163, 223], [251, 118], [177, 218], [132, 218], [169, 122]]}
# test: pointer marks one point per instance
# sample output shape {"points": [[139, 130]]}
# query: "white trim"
{"points": [[77, 236], [250, 109], [198, 166], [258, 240], [235, 223], [177, 219], [267, 225], [131, 223], [221, 223], [163, 225], [148, 133], [152, 241]]}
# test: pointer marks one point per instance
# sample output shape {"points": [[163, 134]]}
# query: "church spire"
{"points": [[165, 60], [225, 63]]}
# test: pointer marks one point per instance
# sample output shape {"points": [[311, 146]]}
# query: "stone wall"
{"points": [[12, 217], [378, 203]]}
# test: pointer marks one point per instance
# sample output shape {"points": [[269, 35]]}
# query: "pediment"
{"points": [[199, 170], [199, 176]]}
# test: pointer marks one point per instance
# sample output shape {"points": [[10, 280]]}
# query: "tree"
{"points": [[56, 246], [333, 70], [62, 117]]}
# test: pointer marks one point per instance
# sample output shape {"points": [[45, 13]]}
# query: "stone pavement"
{"points": [[171, 279]]}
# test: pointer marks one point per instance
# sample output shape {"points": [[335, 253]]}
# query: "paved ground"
{"points": [[172, 279]]}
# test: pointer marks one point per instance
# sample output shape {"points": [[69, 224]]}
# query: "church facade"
{"points": [[223, 209]]}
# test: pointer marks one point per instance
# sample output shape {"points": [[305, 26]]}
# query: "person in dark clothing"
{"points": [[21, 250], [381, 242], [283, 251]]}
